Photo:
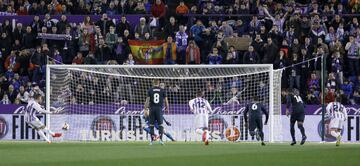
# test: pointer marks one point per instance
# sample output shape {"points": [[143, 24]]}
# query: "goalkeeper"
{"points": [[147, 128]]}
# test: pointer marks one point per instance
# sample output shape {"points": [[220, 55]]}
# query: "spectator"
{"points": [[192, 53], [169, 48], [111, 38], [62, 24], [56, 58], [5, 44], [103, 52], [181, 45], [11, 94], [295, 72], [18, 32], [28, 39], [337, 66], [251, 57], [227, 29], [158, 11], [85, 42], [352, 48], [38, 61], [270, 51], [36, 24], [78, 59], [182, 8], [196, 31], [214, 57], [90, 59], [111, 10], [34, 9], [314, 82], [140, 8], [5, 100], [311, 98], [332, 83], [23, 95], [208, 40], [347, 88], [48, 23], [171, 28], [122, 26], [104, 24], [221, 45], [88, 24], [121, 50], [142, 28], [130, 60]]}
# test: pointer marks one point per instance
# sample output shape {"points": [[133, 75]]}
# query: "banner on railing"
{"points": [[125, 123]]}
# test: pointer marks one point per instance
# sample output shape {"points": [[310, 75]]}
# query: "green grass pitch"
{"points": [[176, 154]]}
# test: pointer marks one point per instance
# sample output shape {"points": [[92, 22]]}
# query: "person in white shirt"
{"points": [[201, 108], [338, 114], [33, 107]]}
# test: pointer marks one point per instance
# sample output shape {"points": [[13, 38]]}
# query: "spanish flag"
{"points": [[147, 52]]}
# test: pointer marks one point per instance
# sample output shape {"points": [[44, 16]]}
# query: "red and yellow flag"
{"points": [[147, 52]]}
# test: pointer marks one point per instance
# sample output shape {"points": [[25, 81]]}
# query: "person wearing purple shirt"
{"points": [[214, 57], [352, 48], [181, 44]]}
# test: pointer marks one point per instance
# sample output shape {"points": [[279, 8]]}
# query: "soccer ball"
{"points": [[66, 126]]}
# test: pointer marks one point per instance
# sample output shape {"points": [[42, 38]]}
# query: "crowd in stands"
{"points": [[291, 34]]}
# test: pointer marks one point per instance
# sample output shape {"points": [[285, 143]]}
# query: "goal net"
{"points": [[105, 102]]}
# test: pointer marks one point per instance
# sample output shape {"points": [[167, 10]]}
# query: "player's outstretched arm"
{"points": [[38, 108]]}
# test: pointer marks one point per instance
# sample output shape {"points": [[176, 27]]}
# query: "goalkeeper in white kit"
{"points": [[201, 108], [33, 107], [338, 114]]}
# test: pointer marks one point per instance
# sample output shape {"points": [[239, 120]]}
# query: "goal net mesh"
{"points": [[105, 103]]}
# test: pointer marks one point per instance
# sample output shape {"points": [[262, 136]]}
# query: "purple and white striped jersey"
{"points": [[336, 110], [200, 105], [32, 109]]}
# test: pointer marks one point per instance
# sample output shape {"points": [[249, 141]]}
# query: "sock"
{"points": [[334, 134], [261, 134], [302, 129], [169, 136], [161, 131], [252, 133], [42, 134], [48, 131], [147, 129], [292, 131], [207, 134], [199, 131], [152, 132]]}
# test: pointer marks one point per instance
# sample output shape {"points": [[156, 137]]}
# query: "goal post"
{"points": [[105, 102]]}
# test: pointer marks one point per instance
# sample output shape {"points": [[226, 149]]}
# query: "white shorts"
{"points": [[36, 124], [336, 123], [202, 120]]}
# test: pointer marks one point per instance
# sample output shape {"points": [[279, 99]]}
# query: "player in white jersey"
{"points": [[201, 108], [33, 107], [338, 114]]}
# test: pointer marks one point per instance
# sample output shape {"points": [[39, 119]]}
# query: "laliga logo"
{"points": [[221, 111], [19, 110], [232, 134], [122, 111]]}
